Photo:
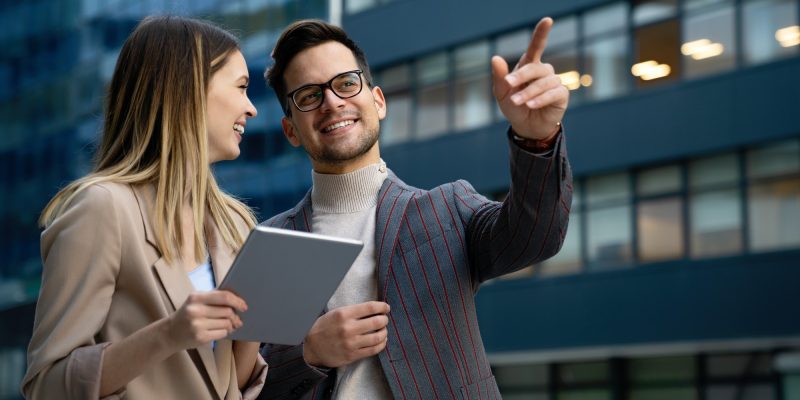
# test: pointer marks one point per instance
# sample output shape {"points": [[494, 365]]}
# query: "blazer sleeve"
{"points": [[529, 225], [81, 253], [290, 377]]}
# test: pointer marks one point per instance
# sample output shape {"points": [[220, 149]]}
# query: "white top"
{"points": [[202, 277], [344, 206]]}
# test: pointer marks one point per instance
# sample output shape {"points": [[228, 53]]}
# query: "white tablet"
{"points": [[286, 277]]}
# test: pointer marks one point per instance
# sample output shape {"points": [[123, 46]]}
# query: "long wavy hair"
{"points": [[155, 131]]}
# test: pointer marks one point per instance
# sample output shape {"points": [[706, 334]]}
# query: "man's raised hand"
{"points": [[531, 96]]}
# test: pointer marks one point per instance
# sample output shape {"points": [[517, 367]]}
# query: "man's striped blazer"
{"points": [[433, 250]]}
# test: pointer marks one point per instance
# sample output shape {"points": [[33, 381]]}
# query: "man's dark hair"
{"points": [[302, 35]]}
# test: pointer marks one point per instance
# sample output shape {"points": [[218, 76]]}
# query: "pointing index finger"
{"points": [[538, 42]]}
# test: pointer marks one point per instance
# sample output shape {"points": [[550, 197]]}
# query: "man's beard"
{"points": [[335, 156]]}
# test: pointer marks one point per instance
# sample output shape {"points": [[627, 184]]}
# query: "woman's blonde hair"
{"points": [[155, 131]]}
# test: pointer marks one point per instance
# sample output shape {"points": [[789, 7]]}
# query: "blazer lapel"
{"points": [[174, 280], [393, 199]]}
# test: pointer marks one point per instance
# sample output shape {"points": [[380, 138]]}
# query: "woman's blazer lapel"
{"points": [[176, 284]]}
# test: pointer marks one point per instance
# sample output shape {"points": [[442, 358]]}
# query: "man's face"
{"points": [[342, 134]]}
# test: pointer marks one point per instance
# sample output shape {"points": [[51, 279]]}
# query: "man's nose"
{"points": [[330, 100]]}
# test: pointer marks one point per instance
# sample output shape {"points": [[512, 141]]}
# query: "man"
{"points": [[426, 252]]}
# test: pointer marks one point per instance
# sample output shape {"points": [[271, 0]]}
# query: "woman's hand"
{"points": [[205, 317]]}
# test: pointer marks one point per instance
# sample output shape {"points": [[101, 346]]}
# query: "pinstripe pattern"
{"points": [[434, 249]]}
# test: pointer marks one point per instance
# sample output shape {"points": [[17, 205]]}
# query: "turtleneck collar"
{"points": [[347, 193]]}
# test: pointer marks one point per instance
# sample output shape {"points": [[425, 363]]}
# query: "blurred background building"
{"points": [[680, 274]]}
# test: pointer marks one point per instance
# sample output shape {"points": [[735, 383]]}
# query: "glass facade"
{"points": [[605, 52], [689, 209], [55, 59], [710, 376]]}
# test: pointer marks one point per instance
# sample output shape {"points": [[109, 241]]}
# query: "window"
{"points": [[568, 260], [646, 11], [770, 30], [473, 99], [395, 83], [715, 208], [774, 196], [355, 6], [709, 44], [523, 381], [605, 19], [660, 228], [432, 98], [662, 378], [606, 51], [608, 221], [583, 381], [740, 376], [657, 53], [659, 215]]}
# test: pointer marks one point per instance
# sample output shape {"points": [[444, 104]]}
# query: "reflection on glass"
{"points": [[568, 260], [774, 160], [608, 188], [714, 170], [395, 127], [657, 53], [584, 394], [613, 17], [709, 42], [472, 57], [738, 364], [762, 19], [686, 392], [564, 32], [774, 215], [606, 62], [432, 97], [658, 180], [609, 237], [645, 11], [432, 69], [715, 223], [740, 392], [522, 375], [432, 111], [689, 5], [660, 226], [583, 372], [354, 6], [660, 369], [473, 102], [395, 77]]}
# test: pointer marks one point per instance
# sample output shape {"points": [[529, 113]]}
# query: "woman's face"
{"points": [[228, 108]]}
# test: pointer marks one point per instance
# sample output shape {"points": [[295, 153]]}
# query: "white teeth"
{"points": [[239, 128], [338, 125]]}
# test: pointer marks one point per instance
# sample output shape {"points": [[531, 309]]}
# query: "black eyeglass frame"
{"points": [[322, 87]]}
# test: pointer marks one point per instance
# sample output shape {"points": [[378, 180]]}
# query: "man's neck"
{"points": [[373, 156]]}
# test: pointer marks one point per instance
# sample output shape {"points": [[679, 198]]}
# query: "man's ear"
{"points": [[289, 131], [380, 101]]}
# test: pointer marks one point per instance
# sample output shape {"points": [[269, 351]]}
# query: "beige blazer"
{"points": [[103, 279]]}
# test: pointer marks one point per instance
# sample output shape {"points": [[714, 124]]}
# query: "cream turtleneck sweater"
{"points": [[344, 206]]}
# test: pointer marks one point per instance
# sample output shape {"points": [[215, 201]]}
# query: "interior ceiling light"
{"points": [[788, 36]]}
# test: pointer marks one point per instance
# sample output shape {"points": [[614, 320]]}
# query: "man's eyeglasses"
{"points": [[310, 97]]}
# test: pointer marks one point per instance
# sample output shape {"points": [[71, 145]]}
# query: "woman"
{"points": [[129, 249]]}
